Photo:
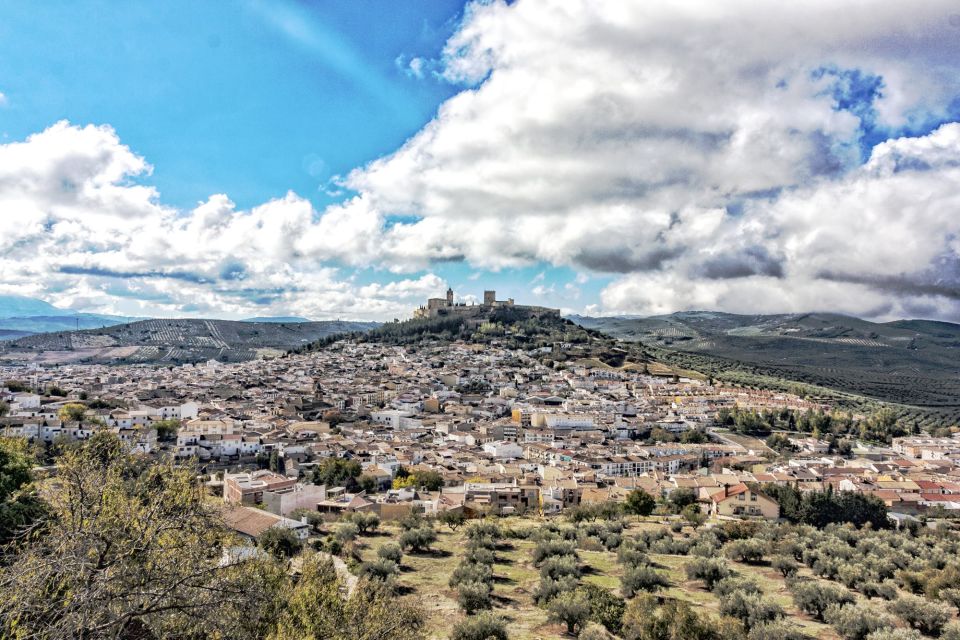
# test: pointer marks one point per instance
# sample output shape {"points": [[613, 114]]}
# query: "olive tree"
{"points": [[927, 616], [483, 626], [132, 548], [570, 608]]}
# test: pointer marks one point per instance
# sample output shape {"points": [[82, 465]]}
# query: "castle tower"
{"points": [[489, 298], [449, 296]]}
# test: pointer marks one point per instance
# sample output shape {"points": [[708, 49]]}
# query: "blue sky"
{"points": [[350, 158], [252, 99]]}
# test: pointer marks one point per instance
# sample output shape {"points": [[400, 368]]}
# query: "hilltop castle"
{"points": [[446, 306]]}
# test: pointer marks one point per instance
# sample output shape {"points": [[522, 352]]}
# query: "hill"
{"points": [[541, 331], [280, 319], [22, 306], [172, 341], [21, 316], [910, 362]]}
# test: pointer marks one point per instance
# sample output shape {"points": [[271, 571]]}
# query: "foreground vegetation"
{"points": [[115, 546]]}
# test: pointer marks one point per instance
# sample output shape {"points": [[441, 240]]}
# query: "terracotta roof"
{"points": [[250, 521]]}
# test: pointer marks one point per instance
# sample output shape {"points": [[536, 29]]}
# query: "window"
{"points": [[753, 497]]}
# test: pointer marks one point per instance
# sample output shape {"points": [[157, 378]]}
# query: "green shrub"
{"points": [[483, 626], [641, 578], [473, 596], [854, 621], [390, 552], [786, 565], [571, 608], [926, 616], [748, 550], [749, 608], [815, 598], [708, 570]]}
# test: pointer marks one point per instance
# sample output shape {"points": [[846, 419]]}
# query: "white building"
{"points": [[503, 449]]}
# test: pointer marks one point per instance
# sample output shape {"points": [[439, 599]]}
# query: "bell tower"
{"points": [[449, 296]]}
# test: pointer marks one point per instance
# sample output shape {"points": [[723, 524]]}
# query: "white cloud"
{"points": [[77, 230], [697, 146], [416, 67], [696, 150]]}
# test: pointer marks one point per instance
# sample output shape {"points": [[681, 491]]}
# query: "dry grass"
{"points": [[425, 577]]}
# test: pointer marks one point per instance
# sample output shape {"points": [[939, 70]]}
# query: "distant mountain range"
{"points": [[22, 316], [912, 362], [277, 319], [172, 341]]}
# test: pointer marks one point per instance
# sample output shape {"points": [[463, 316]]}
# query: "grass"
{"points": [[425, 577]]}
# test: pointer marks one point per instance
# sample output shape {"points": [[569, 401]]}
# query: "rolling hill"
{"points": [[172, 341], [21, 316], [911, 362]]}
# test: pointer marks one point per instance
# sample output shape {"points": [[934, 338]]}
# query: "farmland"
{"points": [[172, 341], [913, 364]]}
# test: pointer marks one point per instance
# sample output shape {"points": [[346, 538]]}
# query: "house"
{"points": [[252, 522], [249, 488], [503, 449], [739, 501]]}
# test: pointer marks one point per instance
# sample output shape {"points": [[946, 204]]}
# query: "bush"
{"points": [[856, 621], [951, 632], [675, 620], [483, 529], [693, 515], [346, 532], [708, 570], [452, 519], [379, 569], [571, 608], [886, 590], [632, 557], [611, 540], [749, 608], [558, 567], [280, 542], [895, 634], [470, 572], [549, 588], [951, 597], [736, 584], [749, 550], [473, 596], [739, 529], [671, 546], [483, 626], [851, 575], [550, 548], [480, 556], [777, 630], [641, 578], [786, 565], [594, 631], [606, 608], [413, 520], [365, 521], [390, 552], [926, 616], [314, 518], [815, 598], [418, 539]]}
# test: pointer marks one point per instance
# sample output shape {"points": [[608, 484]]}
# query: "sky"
{"points": [[350, 158]]}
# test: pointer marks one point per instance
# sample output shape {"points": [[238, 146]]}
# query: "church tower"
{"points": [[449, 296]]}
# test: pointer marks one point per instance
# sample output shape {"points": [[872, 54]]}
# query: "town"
{"points": [[503, 432], [346, 457]]}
